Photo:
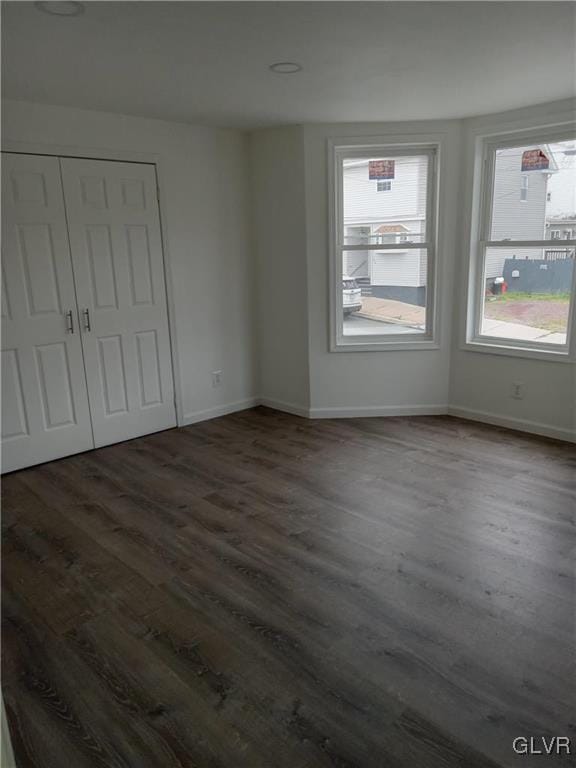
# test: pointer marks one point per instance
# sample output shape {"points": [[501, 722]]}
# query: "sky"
{"points": [[562, 185]]}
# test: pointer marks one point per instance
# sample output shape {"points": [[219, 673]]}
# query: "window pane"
{"points": [[534, 194], [527, 293], [388, 293], [384, 199]]}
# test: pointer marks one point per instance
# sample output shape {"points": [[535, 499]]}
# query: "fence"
{"points": [[559, 254], [539, 275]]}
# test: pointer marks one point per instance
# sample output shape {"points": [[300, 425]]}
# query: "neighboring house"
{"points": [[560, 228], [519, 207], [393, 210], [386, 211]]}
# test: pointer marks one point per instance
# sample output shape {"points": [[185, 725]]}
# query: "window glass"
{"points": [[527, 293], [367, 214], [545, 173], [391, 292]]}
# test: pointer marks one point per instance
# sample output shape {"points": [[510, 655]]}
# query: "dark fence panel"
{"points": [[539, 275]]}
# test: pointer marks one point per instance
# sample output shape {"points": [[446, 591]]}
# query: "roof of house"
{"points": [[391, 228]]}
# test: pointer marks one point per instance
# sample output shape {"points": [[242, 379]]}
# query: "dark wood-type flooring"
{"points": [[263, 591]]}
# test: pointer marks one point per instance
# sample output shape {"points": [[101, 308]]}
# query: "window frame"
{"points": [[338, 150], [480, 241], [524, 187], [387, 185]]}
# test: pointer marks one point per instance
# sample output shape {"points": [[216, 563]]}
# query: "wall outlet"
{"points": [[216, 378], [517, 390]]}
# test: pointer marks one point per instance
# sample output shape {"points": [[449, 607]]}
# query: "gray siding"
{"points": [[512, 217]]}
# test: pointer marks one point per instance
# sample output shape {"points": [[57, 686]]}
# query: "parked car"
{"points": [[351, 295]]}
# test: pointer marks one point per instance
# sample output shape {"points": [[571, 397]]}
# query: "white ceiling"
{"points": [[207, 62]]}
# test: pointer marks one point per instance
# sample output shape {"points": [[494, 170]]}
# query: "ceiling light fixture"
{"points": [[61, 8], [285, 67]]}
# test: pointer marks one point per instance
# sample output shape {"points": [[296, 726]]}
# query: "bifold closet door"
{"points": [[45, 411], [114, 229]]}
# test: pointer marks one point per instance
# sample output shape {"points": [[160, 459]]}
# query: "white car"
{"points": [[351, 295]]}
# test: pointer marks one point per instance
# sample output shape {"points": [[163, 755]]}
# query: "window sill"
{"points": [[501, 348], [382, 344]]}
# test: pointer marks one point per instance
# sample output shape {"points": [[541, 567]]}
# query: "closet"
{"points": [[86, 357]]}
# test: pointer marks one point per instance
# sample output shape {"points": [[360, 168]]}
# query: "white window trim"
{"points": [[365, 148], [481, 214]]}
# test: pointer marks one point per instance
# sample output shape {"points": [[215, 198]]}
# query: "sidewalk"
{"points": [[520, 332], [413, 316], [391, 311]]}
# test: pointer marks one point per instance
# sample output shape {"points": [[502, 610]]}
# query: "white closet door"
{"points": [[114, 229], [45, 411]]}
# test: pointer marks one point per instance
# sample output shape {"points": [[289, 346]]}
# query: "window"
{"points": [[522, 289], [386, 243]]}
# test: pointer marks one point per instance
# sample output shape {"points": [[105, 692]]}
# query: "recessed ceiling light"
{"points": [[61, 8], [285, 67]]}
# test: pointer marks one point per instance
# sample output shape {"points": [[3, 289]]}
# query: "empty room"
{"points": [[288, 384]]}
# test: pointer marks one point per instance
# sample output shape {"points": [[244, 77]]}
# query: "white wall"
{"points": [[383, 382], [205, 218], [480, 384], [277, 159], [284, 358], [352, 383]]}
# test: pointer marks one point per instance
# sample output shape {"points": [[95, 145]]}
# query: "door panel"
{"points": [[45, 412], [149, 368], [14, 421], [102, 273], [54, 376], [113, 374], [116, 248]]}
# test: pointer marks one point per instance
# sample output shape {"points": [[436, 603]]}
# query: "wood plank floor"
{"points": [[264, 591]]}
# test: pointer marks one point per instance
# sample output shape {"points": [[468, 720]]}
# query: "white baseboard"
{"points": [[281, 405], [377, 410], [523, 425], [219, 410]]}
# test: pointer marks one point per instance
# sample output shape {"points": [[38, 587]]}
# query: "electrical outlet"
{"points": [[517, 390], [216, 378]]}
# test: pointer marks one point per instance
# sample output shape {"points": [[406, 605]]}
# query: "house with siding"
{"points": [[383, 212], [393, 211], [518, 207], [560, 228]]}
